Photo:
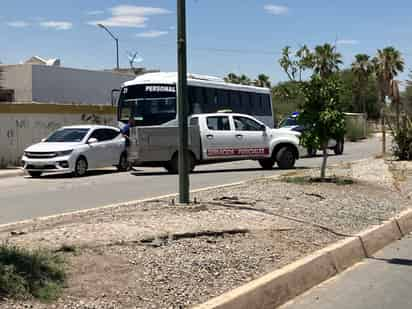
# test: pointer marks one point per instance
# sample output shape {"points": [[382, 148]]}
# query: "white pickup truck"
{"points": [[214, 138]]}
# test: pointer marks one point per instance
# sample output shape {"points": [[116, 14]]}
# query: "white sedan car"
{"points": [[77, 149]]}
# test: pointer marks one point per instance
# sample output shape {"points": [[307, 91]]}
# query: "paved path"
{"points": [[24, 197], [381, 282]]}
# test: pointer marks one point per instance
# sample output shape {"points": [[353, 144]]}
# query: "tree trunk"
{"points": [[324, 161]]}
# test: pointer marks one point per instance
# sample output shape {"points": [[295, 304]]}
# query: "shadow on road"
{"points": [[89, 174], [214, 171], [396, 261]]}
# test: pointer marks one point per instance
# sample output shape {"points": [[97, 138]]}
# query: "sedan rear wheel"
{"points": [[81, 167]]}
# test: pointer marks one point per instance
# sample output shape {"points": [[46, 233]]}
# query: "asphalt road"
{"points": [[24, 197], [381, 282]]}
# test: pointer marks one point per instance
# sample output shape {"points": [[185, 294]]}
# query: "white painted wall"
{"points": [[17, 131]]}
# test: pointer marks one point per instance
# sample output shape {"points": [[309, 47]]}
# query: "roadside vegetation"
{"points": [[367, 86], [25, 274]]}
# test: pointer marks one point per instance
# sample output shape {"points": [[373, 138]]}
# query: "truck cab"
{"points": [[215, 137]]}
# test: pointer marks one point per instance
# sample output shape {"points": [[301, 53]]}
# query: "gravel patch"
{"points": [[159, 255]]}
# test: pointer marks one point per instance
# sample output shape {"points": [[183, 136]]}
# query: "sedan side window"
{"points": [[97, 134], [247, 124], [218, 123], [109, 134]]}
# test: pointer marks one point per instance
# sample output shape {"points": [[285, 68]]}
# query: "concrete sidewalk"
{"points": [[383, 281], [11, 172]]}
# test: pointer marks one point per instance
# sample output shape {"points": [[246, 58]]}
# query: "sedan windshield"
{"points": [[67, 136]]}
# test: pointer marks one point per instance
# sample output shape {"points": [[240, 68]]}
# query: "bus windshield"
{"points": [[147, 104]]}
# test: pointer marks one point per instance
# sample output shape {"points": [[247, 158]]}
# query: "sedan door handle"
{"points": [[209, 136], [239, 135]]}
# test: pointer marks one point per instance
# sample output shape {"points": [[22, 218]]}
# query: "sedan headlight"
{"points": [[63, 153]]}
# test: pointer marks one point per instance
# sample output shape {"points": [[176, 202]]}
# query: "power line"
{"points": [[239, 51]]}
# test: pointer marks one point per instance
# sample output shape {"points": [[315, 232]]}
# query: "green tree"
{"points": [[321, 114], [286, 98], [263, 81], [288, 65], [304, 60], [407, 97], [244, 80], [362, 69], [232, 78], [388, 63], [350, 95], [326, 60]]}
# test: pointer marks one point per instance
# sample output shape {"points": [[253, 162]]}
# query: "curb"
{"points": [[282, 285], [12, 173]]}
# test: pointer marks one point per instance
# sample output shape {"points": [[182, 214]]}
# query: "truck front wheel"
{"points": [[267, 164], [286, 158], [173, 165]]}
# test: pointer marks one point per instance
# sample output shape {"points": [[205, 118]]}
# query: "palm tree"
{"points": [[287, 64], [263, 81], [388, 63], [232, 78], [305, 60], [362, 69], [244, 80], [326, 60]]}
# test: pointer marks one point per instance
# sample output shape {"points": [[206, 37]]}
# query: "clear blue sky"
{"points": [[224, 35]]}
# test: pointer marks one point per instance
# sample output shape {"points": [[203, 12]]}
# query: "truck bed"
{"points": [[159, 143]]}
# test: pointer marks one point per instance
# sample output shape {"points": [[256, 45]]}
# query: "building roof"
{"points": [[40, 60]]}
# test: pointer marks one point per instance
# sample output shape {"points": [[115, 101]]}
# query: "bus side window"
{"points": [[266, 104], [255, 105], [210, 102], [244, 99], [235, 103], [196, 100], [222, 99]]}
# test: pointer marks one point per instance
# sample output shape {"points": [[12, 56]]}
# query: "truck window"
{"points": [[218, 123], [246, 124]]}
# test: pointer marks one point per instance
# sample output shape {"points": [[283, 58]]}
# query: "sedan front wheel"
{"points": [[81, 167]]}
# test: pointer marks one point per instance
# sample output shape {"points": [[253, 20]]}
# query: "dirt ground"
{"points": [[160, 255]]}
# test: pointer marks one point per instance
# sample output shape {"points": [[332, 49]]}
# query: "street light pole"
{"points": [[116, 40], [182, 101]]}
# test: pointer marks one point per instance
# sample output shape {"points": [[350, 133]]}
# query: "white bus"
{"points": [[151, 99]]}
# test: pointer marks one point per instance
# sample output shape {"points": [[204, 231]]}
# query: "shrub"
{"points": [[26, 273], [402, 139]]}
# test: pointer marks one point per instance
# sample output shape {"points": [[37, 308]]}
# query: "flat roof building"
{"points": [[36, 81]]}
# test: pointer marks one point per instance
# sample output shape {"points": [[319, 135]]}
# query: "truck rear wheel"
{"points": [[173, 165], [286, 158], [267, 164]]}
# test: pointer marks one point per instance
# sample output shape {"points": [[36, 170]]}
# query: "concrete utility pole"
{"points": [[117, 43], [182, 103]]}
